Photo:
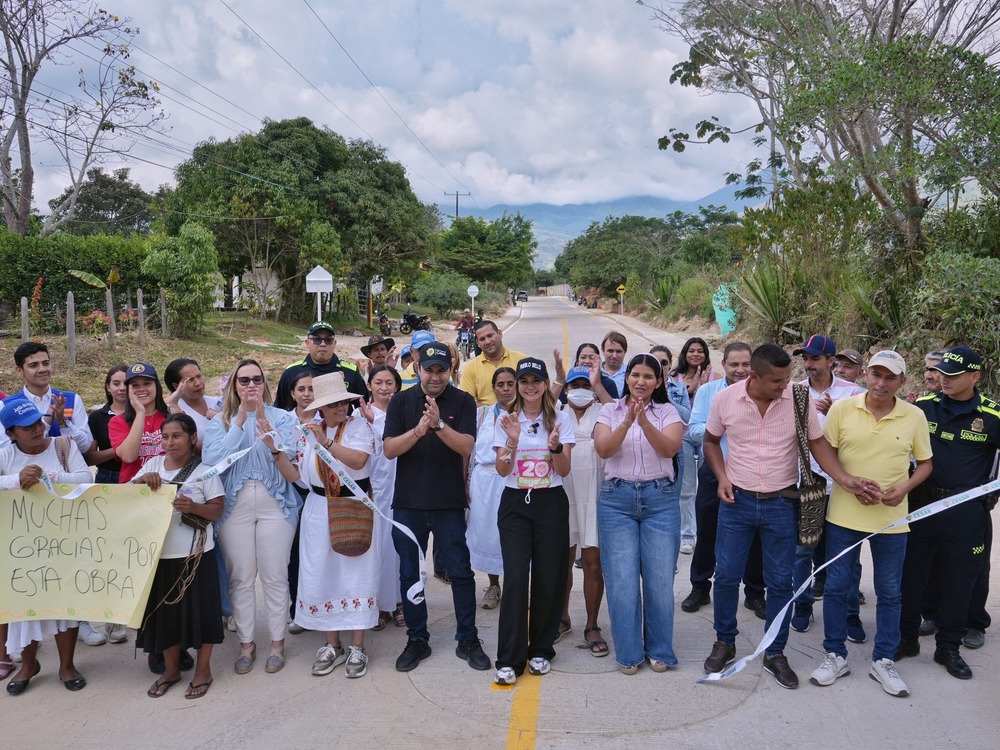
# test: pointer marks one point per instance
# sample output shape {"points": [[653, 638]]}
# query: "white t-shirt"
{"points": [[13, 460], [357, 435], [532, 462], [181, 537], [201, 422]]}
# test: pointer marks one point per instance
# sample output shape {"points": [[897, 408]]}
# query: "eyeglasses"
{"points": [[256, 380], [322, 340]]}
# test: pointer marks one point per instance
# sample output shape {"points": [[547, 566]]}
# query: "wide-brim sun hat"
{"points": [[329, 389]]}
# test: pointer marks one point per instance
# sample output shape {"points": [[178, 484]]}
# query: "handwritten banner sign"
{"points": [[91, 557]]}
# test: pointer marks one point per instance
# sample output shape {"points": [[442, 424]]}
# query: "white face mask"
{"points": [[580, 397]]}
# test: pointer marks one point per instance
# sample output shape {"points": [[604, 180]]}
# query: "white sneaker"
{"points": [[505, 676], [884, 672], [90, 636], [491, 597], [687, 547], [833, 667], [538, 665], [117, 633], [357, 662], [231, 624], [294, 628], [327, 659]]}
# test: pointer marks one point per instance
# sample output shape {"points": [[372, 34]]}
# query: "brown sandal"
{"points": [[397, 618], [383, 620]]}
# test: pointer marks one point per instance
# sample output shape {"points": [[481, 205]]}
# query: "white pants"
{"points": [[256, 540]]}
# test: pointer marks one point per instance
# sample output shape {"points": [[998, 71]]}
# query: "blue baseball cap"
{"points": [[141, 370], [405, 352], [817, 345], [420, 338], [19, 412], [578, 373]]}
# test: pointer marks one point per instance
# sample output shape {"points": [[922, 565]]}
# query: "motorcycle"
{"points": [[465, 343], [412, 322], [384, 326]]}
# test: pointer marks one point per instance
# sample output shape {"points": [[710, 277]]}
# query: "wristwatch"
{"points": [[438, 426], [557, 450]]}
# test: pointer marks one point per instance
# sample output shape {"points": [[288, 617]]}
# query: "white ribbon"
{"points": [[416, 592], [925, 512]]}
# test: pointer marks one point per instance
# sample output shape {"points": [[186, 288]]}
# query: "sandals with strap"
{"points": [[598, 647]]}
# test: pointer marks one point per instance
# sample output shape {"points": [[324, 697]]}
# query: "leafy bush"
{"points": [[692, 297], [445, 291]]}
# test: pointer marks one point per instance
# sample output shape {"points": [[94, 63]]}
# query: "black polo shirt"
{"points": [[352, 378], [430, 476], [965, 437]]}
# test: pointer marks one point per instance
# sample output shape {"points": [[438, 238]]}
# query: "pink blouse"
{"points": [[636, 461]]}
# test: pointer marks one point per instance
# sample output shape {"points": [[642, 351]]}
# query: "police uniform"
{"points": [[965, 436], [352, 377]]}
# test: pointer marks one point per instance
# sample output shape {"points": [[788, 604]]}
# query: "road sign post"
{"points": [[473, 292], [621, 297]]}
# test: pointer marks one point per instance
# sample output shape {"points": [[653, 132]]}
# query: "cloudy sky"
{"points": [[515, 101]]}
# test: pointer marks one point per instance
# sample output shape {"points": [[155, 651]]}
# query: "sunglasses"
{"points": [[665, 364], [322, 340], [256, 380]]}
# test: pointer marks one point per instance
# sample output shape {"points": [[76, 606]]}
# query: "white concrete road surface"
{"points": [[583, 703]]}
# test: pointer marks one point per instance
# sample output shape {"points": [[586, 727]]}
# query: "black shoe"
{"points": [[471, 649], [156, 664], [442, 575], [818, 588], [777, 665], [16, 687], [415, 652], [954, 663], [927, 627], [695, 601], [721, 657], [759, 607], [186, 660], [907, 647]]}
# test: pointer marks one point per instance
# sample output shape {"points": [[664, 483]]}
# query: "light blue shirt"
{"points": [[258, 464], [699, 412], [679, 397], [618, 377]]}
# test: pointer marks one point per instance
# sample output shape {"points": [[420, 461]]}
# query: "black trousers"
{"points": [[959, 536], [979, 618], [534, 537], [706, 510]]}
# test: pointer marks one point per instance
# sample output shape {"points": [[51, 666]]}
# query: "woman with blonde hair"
{"points": [[261, 508]]}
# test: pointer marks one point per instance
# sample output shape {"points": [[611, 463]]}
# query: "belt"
{"points": [[790, 492]]}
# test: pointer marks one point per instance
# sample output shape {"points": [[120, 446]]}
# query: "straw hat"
{"points": [[329, 389]]}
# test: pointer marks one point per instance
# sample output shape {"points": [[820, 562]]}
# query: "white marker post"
{"points": [[473, 292], [318, 281]]}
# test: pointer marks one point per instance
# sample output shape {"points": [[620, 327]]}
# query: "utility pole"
{"points": [[456, 194]]}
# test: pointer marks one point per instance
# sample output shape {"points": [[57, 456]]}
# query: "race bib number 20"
{"points": [[533, 473]]}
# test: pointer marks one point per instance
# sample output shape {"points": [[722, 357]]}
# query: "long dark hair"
{"points": [[107, 382], [583, 346], [160, 404], [172, 375], [660, 393], [682, 361]]}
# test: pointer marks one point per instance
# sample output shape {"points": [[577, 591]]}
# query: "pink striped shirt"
{"points": [[763, 451], [636, 460]]}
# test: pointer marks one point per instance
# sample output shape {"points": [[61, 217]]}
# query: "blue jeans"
{"points": [[689, 463], [804, 558], [639, 530], [448, 527], [888, 553], [776, 520]]}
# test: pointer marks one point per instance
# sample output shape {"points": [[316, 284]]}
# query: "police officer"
{"points": [[965, 436], [321, 359]]}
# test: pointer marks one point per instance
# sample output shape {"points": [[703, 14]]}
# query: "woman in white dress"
{"points": [[583, 487], [384, 383], [21, 465], [337, 591], [482, 534]]}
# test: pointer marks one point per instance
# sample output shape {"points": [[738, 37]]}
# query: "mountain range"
{"points": [[555, 225]]}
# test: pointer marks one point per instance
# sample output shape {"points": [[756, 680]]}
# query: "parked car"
{"points": [[522, 296]]}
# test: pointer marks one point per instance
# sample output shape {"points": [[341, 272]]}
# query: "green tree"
{"points": [[109, 204], [187, 267], [443, 290], [498, 251]]}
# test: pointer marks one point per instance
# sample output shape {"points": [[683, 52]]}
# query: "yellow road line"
{"points": [[522, 731]]}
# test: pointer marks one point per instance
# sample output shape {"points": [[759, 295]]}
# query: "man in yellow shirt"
{"points": [[477, 375], [874, 434], [409, 374]]}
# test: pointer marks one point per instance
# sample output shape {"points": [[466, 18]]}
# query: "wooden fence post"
{"points": [[164, 326], [70, 329], [142, 316], [111, 323], [25, 322]]}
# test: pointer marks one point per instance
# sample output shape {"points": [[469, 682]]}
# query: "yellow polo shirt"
{"points": [[477, 375], [878, 450], [409, 377]]}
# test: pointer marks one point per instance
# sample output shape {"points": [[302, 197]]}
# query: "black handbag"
{"points": [[812, 485], [190, 519]]}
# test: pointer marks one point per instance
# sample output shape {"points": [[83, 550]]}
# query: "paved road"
{"points": [[583, 703]]}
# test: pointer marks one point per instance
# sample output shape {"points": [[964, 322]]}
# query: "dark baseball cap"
{"points": [[851, 355], [320, 325], [434, 353], [817, 345], [531, 366], [141, 370], [958, 360]]}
